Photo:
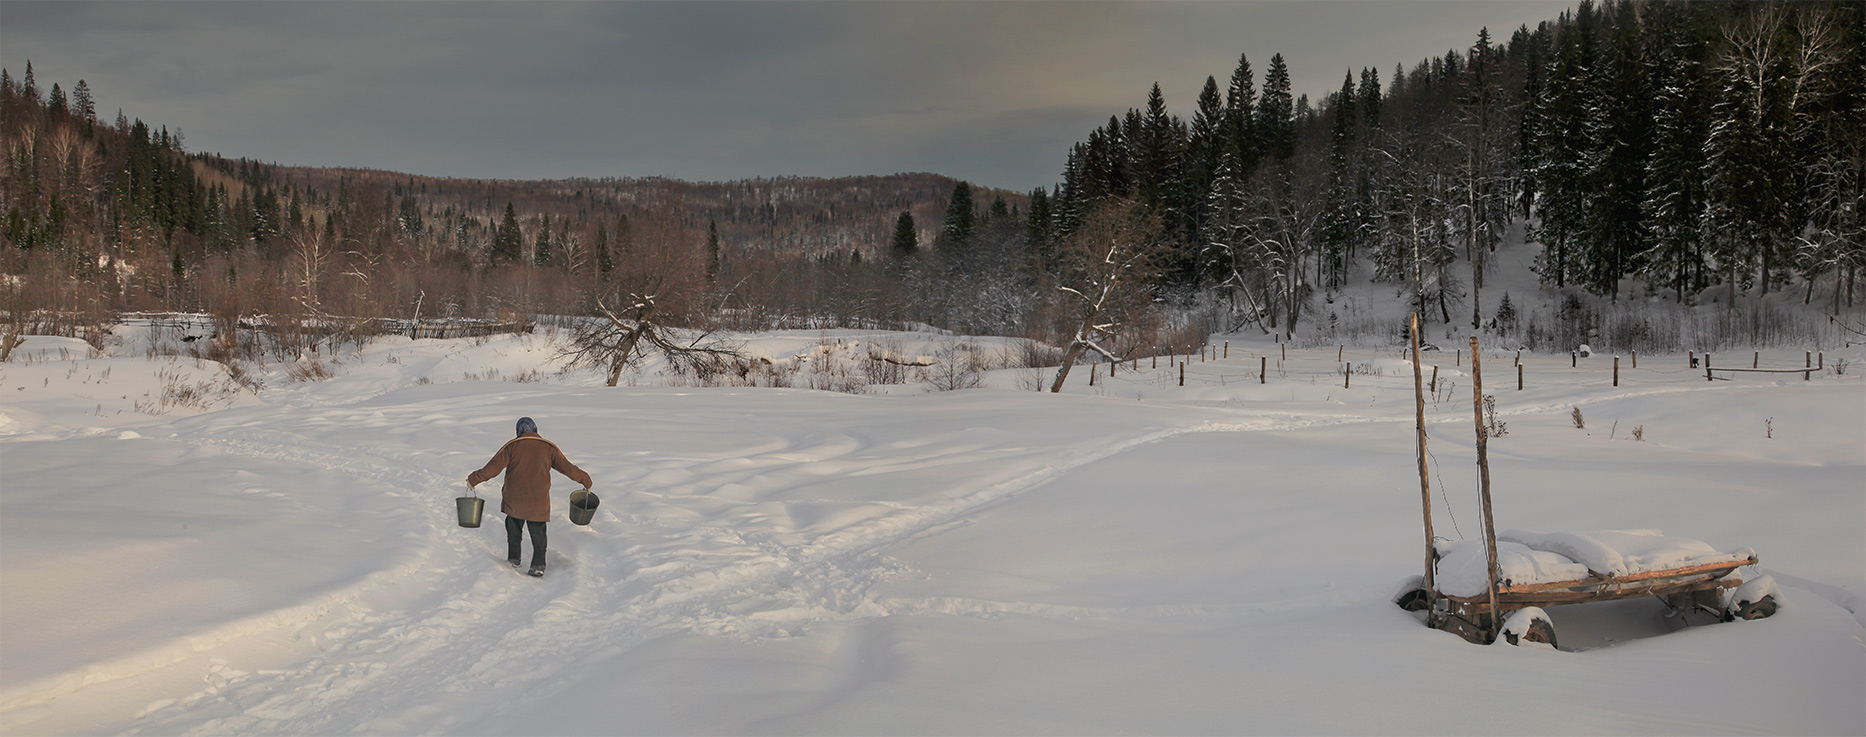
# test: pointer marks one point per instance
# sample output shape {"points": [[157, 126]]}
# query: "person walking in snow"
{"points": [[527, 461]]}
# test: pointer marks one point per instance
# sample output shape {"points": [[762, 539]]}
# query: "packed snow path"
{"points": [[784, 561]]}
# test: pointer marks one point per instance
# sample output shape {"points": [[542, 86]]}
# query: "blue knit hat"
{"points": [[525, 425]]}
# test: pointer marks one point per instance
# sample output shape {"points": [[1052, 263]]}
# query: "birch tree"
{"points": [[1105, 268]]}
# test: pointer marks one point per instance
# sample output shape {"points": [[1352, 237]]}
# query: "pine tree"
{"points": [[1735, 216], [960, 216], [605, 260], [1240, 127], [999, 211], [1619, 137], [1674, 204], [1562, 142], [507, 241], [82, 104], [1276, 112], [541, 254], [1040, 226], [1340, 220], [712, 252], [906, 237]]}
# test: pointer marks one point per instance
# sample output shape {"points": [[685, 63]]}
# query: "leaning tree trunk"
{"points": [[1069, 360]]}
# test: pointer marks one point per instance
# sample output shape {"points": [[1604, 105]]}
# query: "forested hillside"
{"points": [[1684, 151], [1651, 148], [104, 217]]}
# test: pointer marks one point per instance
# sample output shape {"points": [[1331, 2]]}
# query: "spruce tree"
{"points": [[960, 216], [712, 252], [81, 103], [541, 256], [507, 240], [605, 260], [1674, 203], [1276, 112], [906, 237], [1240, 128], [1340, 220]]}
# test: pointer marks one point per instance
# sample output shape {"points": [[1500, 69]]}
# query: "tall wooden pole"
{"points": [[1483, 475], [1425, 482]]}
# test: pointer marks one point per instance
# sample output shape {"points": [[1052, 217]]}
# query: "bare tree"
{"points": [[1105, 268], [612, 340]]}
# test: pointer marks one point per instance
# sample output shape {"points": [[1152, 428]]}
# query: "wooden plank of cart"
{"points": [[1482, 618]]}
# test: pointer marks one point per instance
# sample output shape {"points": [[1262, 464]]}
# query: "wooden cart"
{"points": [[1481, 619]]}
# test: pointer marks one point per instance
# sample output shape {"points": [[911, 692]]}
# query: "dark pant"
{"points": [[513, 531]]}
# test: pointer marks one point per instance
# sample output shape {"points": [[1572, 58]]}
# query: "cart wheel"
{"points": [[1756, 599], [1529, 624], [1747, 610], [1413, 596]]}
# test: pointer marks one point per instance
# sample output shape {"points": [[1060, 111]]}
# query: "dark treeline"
{"points": [[1657, 147]]}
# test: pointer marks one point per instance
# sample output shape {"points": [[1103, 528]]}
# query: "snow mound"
{"points": [[1624, 552], [1461, 567], [1531, 557]]}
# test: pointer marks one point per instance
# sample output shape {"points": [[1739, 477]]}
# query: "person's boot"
{"points": [[537, 569]]}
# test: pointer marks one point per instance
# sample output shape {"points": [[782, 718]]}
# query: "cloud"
{"points": [[990, 92]]}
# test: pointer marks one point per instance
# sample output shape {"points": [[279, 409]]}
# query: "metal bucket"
{"points": [[470, 508], [583, 506]]}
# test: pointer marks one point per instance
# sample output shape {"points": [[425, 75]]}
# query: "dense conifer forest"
{"points": [[1689, 152], [1650, 148]]}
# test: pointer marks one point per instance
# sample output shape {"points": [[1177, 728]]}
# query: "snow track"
{"points": [[481, 633]]}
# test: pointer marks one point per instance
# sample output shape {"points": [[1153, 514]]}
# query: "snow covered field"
{"points": [[178, 555]]}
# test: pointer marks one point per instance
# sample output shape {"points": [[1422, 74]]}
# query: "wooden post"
{"points": [[1519, 356], [1483, 475], [1263, 370], [1434, 379], [1347, 377], [1807, 359], [1094, 368], [1691, 359], [1756, 360], [1285, 347], [1339, 351], [1227, 349], [1458, 357], [1574, 359], [1425, 483], [1519, 377], [1635, 359], [1156, 357], [1820, 360], [1616, 370], [1182, 374], [1707, 371]]}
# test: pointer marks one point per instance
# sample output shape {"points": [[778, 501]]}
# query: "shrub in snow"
{"points": [[1579, 423], [1493, 428]]}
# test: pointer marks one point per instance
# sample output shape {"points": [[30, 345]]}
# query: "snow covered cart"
{"points": [[1537, 570], [1496, 587]]}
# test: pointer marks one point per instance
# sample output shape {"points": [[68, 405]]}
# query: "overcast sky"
{"points": [[985, 91]]}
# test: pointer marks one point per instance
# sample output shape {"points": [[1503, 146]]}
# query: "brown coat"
{"points": [[527, 466]]}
